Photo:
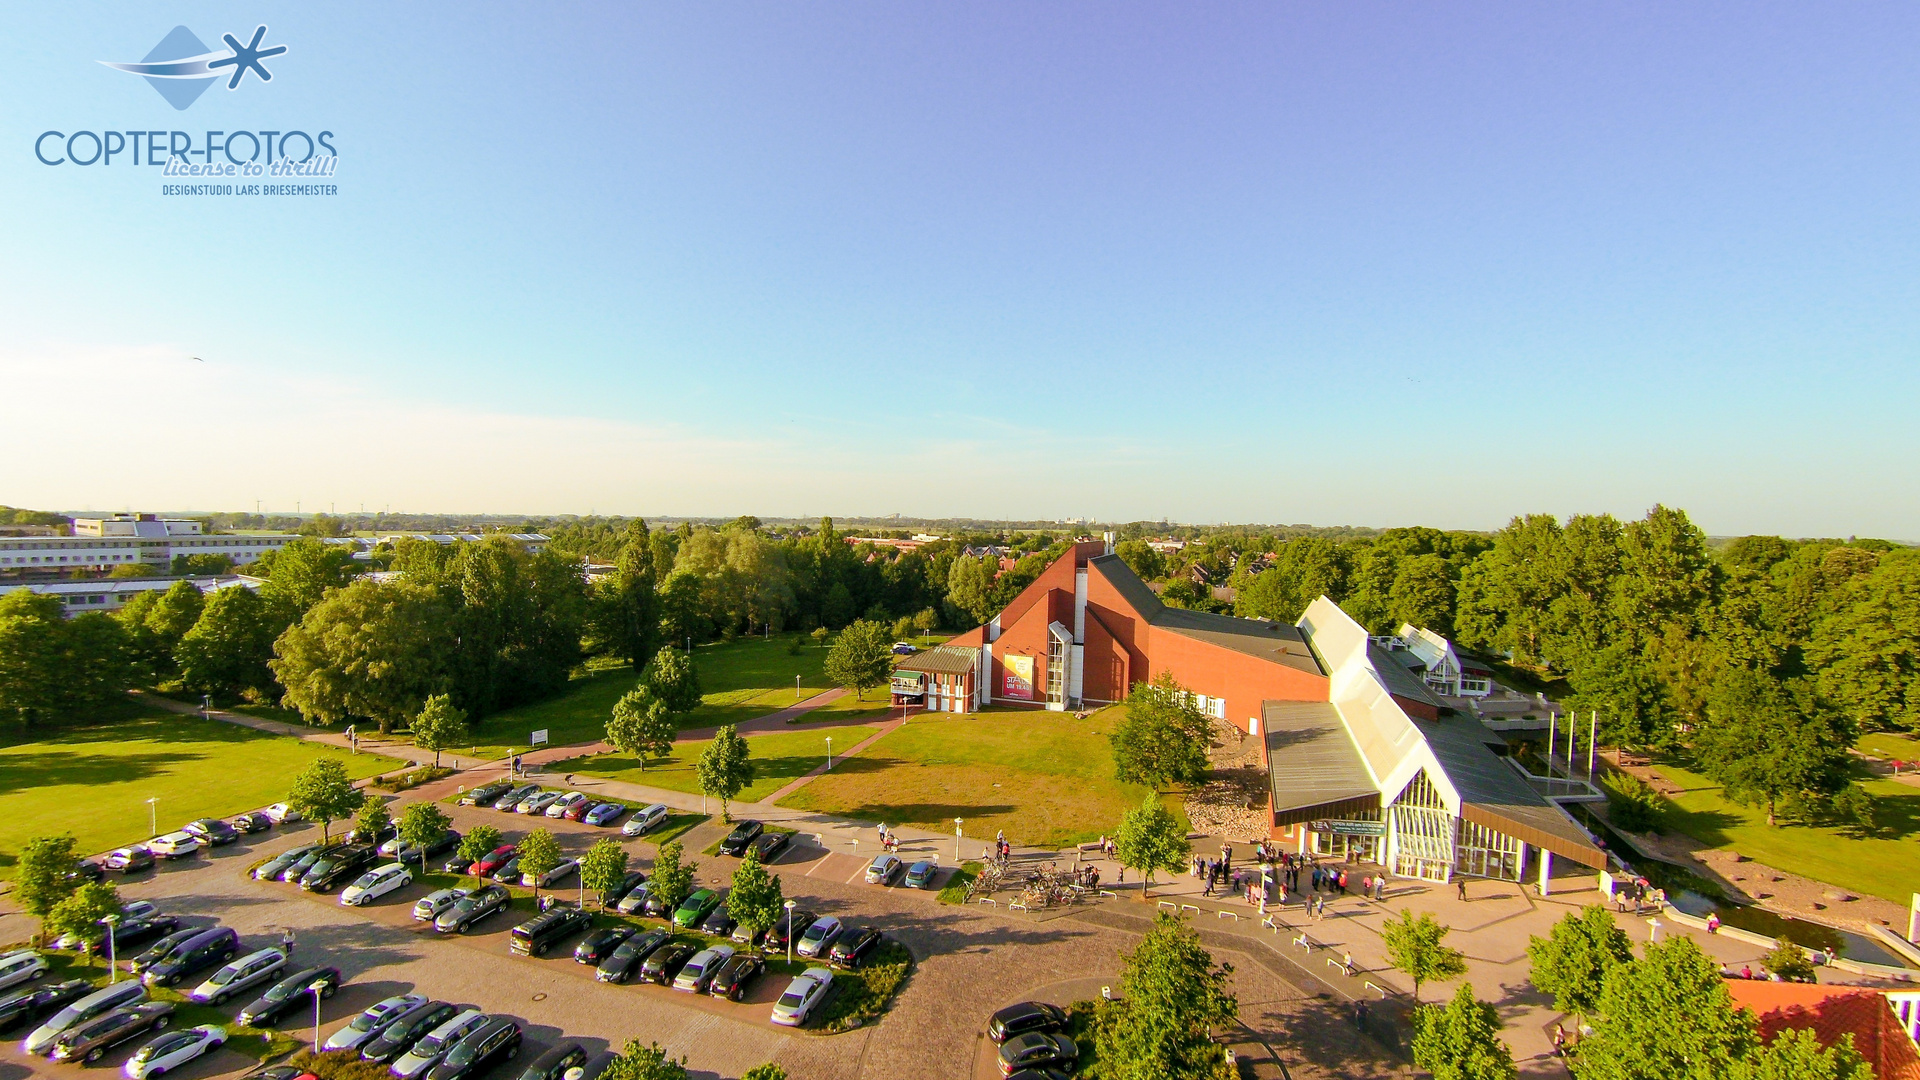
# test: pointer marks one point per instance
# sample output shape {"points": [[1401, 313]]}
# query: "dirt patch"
{"points": [[1233, 801]]}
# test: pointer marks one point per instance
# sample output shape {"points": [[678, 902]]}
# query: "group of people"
{"points": [[888, 841]]}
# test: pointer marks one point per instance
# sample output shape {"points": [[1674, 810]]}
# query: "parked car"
{"points": [[509, 872], [732, 979], [472, 908], [558, 808], [538, 934], [280, 813], [212, 831], [635, 901], [1038, 1050], [695, 908], [633, 880], [746, 935], [430, 906], [239, 976], [1025, 1018], [884, 869], [802, 996], [743, 834], [630, 954], [129, 934], [137, 912], [819, 937], [561, 871], [769, 845], [719, 923], [428, 1052], [600, 944], [279, 1072], [536, 804], [90, 870], [903, 648], [174, 1049], [493, 861], [298, 868], [791, 924], [22, 966], [33, 1002], [375, 884], [578, 811], [373, 838], [97, 1003], [853, 947], [330, 874], [90, 1041], [486, 794], [665, 963], [130, 859], [162, 949], [514, 796], [401, 851], [645, 821], [554, 1064], [923, 874], [290, 993], [595, 1065], [696, 977], [253, 822], [174, 845], [406, 1029], [604, 814], [480, 1051], [366, 1027], [199, 952]]}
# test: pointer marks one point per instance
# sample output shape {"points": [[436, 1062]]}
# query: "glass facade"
{"points": [[1422, 832]]}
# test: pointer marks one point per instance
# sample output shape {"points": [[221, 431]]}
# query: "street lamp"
{"points": [[829, 753], [153, 816], [315, 987], [956, 841], [113, 960], [789, 906]]}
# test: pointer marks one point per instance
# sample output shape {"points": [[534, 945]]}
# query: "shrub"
{"points": [[956, 890], [862, 995], [339, 1065], [1790, 962], [1633, 806], [412, 778]]}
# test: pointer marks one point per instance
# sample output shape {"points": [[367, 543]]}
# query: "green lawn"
{"points": [[1886, 864], [778, 757], [1885, 744], [1043, 777], [94, 781]]}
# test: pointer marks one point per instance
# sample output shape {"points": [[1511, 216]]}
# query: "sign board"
{"points": [[1018, 679], [1340, 827], [540, 737]]}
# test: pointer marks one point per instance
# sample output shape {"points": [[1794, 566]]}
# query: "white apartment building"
{"points": [[104, 543], [112, 594]]}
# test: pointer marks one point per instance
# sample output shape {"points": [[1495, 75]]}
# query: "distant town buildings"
{"points": [[112, 594], [123, 539]]}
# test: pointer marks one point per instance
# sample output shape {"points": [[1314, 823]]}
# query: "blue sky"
{"points": [[1352, 263]]}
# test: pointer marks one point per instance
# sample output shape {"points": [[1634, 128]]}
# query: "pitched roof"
{"points": [[1494, 795], [1400, 681], [1312, 763], [941, 660], [1277, 643], [1830, 1012]]}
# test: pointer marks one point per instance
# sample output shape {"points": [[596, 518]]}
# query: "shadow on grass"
{"points": [[922, 811], [53, 767]]}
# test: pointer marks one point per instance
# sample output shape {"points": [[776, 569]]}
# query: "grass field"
{"points": [[1888, 745], [1886, 864], [1045, 778], [777, 758], [95, 781]]}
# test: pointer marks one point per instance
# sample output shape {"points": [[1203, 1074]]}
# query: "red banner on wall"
{"points": [[1018, 680]]}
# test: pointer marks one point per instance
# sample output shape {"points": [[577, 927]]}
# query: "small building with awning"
{"points": [[940, 679]]}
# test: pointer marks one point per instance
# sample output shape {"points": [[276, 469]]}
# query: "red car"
{"points": [[578, 811], [494, 860]]}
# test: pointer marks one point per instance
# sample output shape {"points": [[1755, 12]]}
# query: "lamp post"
{"points": [[789, 906], [315, 987], [956, 841], [829, 753], [153, 816], [113, 960], [796, 688]]}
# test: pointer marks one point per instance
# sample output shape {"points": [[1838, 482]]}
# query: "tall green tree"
{"points": [[1667, 1016], [641, 725], [756, 898], [1172, 999], [674, 679], [604, 867], [633, 602], [323, 793], [1164, 736], [647, 1062], [672, 876], [765, 1071], [1416, 945], [81, 913], [47, 873], [1796, 1054], [53, 667], [422, 824], [369, 651], [861, 657], [1769, 740], [539, 853], [1460, 1040], [1867, 652], [725, 767], [1573, 960], [440, 726], [374, 819], [1151, 838], [970, 591], [300, 574], [227, 651], [480, 841]]}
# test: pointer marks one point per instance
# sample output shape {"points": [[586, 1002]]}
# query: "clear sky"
{"points": [[1334, 263]]}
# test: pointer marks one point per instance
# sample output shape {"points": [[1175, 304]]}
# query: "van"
{"points": [[203, 950], [535, 936], [98, 1003]]}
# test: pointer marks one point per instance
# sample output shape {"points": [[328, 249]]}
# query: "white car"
{"points": [[427, 1053], [174, 845], [174, 1049], [429, 907], [699, 972], [375, 884], [280, 813], [561, 871], [565, 803], [646, 820], [819, 937], [22, 966], [801, 995], [536, 803], [241, 975]]}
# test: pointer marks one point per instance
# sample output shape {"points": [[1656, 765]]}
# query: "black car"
{"points": [[554, 1064], [298, 868], [276, 1072], [633, 880], [600, 944], [458, 864], [621, 963], [472, 1056], [213, 831], [538, 934], [1038, 1050], [159, 950], [255, 822], [407, 1028], [210, 947], [769, 845], [776, 940], [486, 794], [853, 947], [1024, 1018], [89, 1042], [743, 834], [374, 838], [507, 872], [290, 993], [90, 870], [331, 874], [1040, 1074], [598, 1064], [718, 923], [665, 963], [477, 905], [736, 975], [131, 933], [130, 860], [33, 1004]]}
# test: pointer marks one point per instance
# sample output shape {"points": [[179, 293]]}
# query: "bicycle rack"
{"points": [[1376, 989], [1169, 903], [1190, 907], [1224, 914]]}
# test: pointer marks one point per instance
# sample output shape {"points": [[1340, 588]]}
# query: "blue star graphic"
{"points": [[247, 56]]}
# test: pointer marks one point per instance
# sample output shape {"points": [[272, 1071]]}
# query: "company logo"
{"points": [[181, 67]]}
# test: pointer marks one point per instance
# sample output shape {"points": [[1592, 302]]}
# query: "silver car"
{"points": [[20, 967], [802, 994], [99, 1003], [427, 1053], [366, 1027], [645, 821], [429, 907], [249, 971]]}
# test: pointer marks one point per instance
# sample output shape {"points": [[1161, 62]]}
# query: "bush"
{"points": [[339, 1065], [862, 995], [412, 778], [1633, 806], [1790, 962], [956, 890]]}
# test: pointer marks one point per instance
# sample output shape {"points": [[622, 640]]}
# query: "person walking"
{"points": [[1380, 888], [1343, 883], [1208, 876], [286, 942], [1460, 887]]}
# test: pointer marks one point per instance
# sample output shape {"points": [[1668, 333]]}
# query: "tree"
{"points": [[725, 767], [374, 650], [1460, 1040], [1150, 838], [1572, 962], [80, 913], [1163, 738], [539, 853], [1145, 562], [227, 651], [672, 878], [970, 591], [375, 819], [480, 842], [647, 1062], [202, 565], [631, 608], [926, 620], [861, 657], [1796, 1054], [52, 666], [1667, 1016], [323, 793], [1769, 740], [604, 867], [641, 725], [440, 726], [47, 874], [1172, 999], [674, 680], [1790, 962], [300, 574], [766, 1071], [421, 824], [1867, 652], [756, 897], [1414, 946]]}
